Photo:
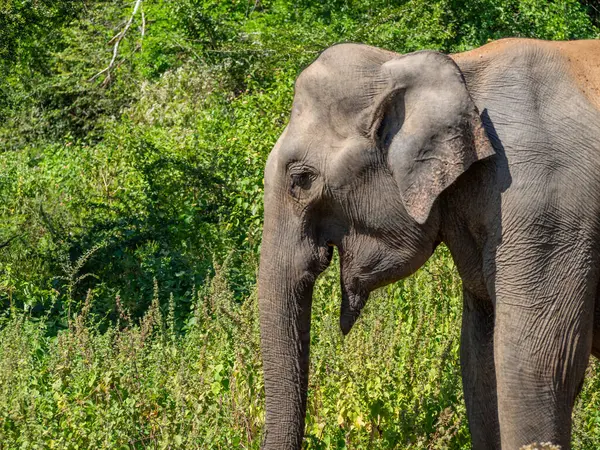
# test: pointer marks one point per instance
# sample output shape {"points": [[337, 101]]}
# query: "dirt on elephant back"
{"points": [[584, 62], [582, 58]]}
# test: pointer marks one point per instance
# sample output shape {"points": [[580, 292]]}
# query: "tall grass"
{"points": [[393, 382]]}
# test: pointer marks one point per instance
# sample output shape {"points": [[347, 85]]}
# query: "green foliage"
{"points": [[30, 28], [120, 172], [155, 152], [393, 382]]}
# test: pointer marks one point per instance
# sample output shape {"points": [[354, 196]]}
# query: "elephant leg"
{"points": [[478, 373], [542, 343]]}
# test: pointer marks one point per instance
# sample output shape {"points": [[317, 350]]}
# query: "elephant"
{"points": [[496, 153]]}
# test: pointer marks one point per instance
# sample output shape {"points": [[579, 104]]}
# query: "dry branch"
{"points": [[117, 40]]}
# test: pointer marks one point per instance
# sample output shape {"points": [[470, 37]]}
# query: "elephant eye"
{"points": [[300, 180]]}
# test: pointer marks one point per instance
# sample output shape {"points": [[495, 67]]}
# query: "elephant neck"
{"points": [[468, 224]]}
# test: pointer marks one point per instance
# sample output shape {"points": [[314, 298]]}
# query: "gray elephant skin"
{"points": [[496, 153]]}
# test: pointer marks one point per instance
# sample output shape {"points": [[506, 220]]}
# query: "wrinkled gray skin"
{"points": [[495, 152]]}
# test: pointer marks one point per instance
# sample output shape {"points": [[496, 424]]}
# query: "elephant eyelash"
{"points": [[299, 167]]}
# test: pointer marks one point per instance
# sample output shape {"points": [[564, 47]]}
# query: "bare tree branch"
{"points": [[143, 24], [117, 40]]}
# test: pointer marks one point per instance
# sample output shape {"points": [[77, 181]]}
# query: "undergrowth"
{"points": [[393, 382]]}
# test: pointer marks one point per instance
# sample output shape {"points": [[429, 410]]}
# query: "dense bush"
{"points": [[392, 383], [126, 182]]}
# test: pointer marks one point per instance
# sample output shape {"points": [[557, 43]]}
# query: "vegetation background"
{"points": [[133, 136]]}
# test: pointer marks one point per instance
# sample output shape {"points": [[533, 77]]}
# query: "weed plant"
{"points": [[393, 382]]}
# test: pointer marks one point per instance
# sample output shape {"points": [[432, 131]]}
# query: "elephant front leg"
{"points": [[478, 372], [542, 343]]}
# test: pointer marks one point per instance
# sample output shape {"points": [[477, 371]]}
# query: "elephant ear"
{"points": [[428, 126]]}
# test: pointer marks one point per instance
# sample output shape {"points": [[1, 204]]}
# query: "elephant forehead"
{"points": [[312, 141], [342, 83], [333, 97], [335, 115], [329, 122], [323, 85], [344, 65]]}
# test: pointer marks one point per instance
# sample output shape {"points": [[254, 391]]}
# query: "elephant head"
{"points": [[373, 140]]}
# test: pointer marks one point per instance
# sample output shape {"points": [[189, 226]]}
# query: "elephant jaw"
{"points": [[352, 304]]}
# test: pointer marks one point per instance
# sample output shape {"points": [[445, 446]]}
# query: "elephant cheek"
{"points": [[352, 304]]}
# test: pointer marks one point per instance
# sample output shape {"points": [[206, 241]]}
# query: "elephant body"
{"points": [[496, 153], [527, 248]]}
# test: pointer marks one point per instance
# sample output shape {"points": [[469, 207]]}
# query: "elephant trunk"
{"points": [[290, 262], [285, 298]]}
